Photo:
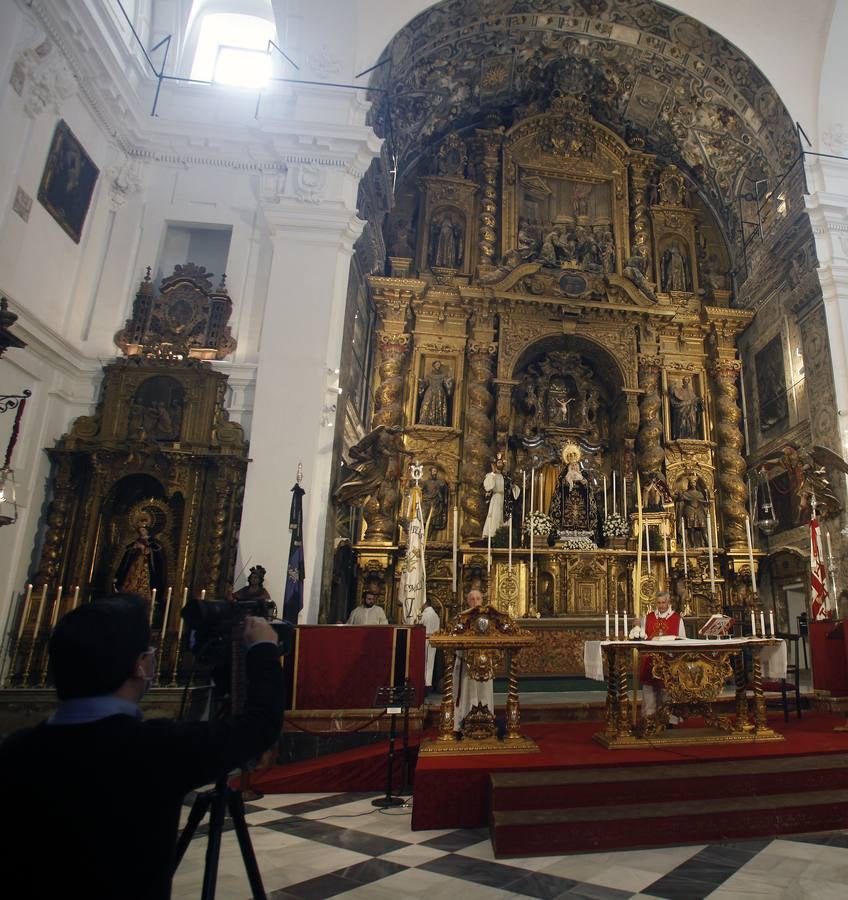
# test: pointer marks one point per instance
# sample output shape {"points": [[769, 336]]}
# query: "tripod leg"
{"points": [[213, 846], [195, 817], [236, 805]]}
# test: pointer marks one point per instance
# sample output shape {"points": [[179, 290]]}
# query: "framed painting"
{"points": [[771, 386], [68, 182]]}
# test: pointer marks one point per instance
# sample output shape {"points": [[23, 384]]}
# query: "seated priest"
{"points": [[662, 621], [368, 613]]}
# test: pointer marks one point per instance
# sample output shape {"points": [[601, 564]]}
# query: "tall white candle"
{"points": [[683, 535], [771, 622], [624, 633], [532, 523], [54, 615], [606, 623], [648, 545], [489, 552], [25, 611], [753, 624], [523, 500], [167, 613], [624, 496], [710, 551], [203, 594], [606, 510], [613, 493], [750, 553], [762, 624], [616, 621], [455, 544], [509, 528], [152, 604], [76, 597], [665, 553]]}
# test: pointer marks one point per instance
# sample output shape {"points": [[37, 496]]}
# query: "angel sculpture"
{"points": [[807, 473], [376, 465]]}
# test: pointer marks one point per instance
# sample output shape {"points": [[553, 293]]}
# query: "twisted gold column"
{"points": [[730, 464], [651, 454], [446, 711], [489, 199], [640, 168]]}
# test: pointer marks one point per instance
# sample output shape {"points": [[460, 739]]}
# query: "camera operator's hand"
{"points": [[256, 630]]}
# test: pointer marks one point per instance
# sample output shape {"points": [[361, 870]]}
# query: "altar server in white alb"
{"points": [[368, 613], [662, 621], [432, 624]]}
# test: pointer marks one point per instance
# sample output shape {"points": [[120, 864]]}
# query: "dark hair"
{"points": [[94, 648]]}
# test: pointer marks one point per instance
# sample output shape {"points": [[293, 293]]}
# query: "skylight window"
{"points": [[231, 49]]}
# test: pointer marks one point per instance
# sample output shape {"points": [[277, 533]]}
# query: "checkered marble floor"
{"points": [[339, 845]]}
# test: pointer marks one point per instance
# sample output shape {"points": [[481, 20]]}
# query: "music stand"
{"points": [[396, 700]]}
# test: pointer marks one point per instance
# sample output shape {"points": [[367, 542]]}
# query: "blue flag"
{"points": [[296, 570]]}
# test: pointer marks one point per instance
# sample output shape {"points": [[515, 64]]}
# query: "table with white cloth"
{"points": [[693, 673]]}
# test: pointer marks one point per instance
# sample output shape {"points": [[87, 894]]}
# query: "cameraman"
{"points": [[94, 793]]}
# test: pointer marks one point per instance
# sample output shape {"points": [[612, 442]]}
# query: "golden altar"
{"points": [[694, 673]]}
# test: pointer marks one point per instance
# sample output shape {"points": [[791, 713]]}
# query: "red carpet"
{"points": [[453, 791]]}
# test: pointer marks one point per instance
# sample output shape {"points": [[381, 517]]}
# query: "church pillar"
{"points": [[730, 464], [489, 145], [479, 427], [310, 211], [651, 455], [640, 168]]}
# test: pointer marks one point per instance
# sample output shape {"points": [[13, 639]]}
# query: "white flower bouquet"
{"points": [[538, 524], [615, 525]]}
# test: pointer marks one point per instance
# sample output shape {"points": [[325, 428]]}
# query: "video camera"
{"points": [[213, 627]]}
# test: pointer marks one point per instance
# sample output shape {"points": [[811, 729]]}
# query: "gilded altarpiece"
{"points": [[549, 326]]}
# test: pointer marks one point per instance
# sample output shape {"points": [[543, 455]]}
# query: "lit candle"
{"points": [[606, 511], [753, 624], [25, 611], [750, 553], [38, 615], [152, 605], [489, 552], [613, 494], [203, 595], [509, 527], [616, 621], [710, 551], [532, 523], [76, 597], [683, 535], [455, 543], [625, 623], [771, 622], [665, 553], [624, 496], [167, 610], [648, 545], [762, 624], [606, 623], [523, 500]]}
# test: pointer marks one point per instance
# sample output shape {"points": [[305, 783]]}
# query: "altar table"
{"points": [[694, 673]]}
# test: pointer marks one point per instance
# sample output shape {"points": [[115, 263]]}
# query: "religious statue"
{"points": [[446, 243], [692, 509], [573, 505], [501, 493], [376, 469], [654, 492], [807, 474], [434, 500], [634, 269], [254, 591], [686, 408], [142, 566], [675, 276], [435, 392]]}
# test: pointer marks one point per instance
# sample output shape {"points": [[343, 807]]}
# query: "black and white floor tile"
{"points": [[339, 845]]}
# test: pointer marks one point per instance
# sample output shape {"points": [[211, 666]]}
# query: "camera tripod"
{"points": [[217, 801]]}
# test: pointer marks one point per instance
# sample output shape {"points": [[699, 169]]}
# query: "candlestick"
{"points": [[762, 624], [710, 551], [683, 535], [606, 511], [455, 544], [750, 553], [753, 624], [771, 622], [606, 623], [613, 494], [152, 606], [54, 615], [624, 496], [616, 623], [665, 553]]}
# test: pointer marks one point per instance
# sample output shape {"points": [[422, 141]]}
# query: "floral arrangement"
{"points": [[539, 524], [637, 633], [615, 525]]}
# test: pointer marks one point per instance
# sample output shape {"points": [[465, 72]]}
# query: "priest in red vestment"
{"points": [[660, 622]]}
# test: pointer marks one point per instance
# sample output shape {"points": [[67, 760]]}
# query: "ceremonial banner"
{"points": [[293, 598], [413, 587], [818, 573]]}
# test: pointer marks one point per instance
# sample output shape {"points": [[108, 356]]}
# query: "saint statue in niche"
{"points": [[435, 392], [446, 243], [675, 274], [572, 502], [686, 407], [142, 566], [434, 500], [692, 509]]}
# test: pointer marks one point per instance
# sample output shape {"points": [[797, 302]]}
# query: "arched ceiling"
{"points": [[645, 69]]}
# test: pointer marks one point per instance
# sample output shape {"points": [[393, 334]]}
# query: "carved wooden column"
{"points": [[490, 145], [477, 450], [730, 464], [53, 551], [641, 166], [651, 454]]}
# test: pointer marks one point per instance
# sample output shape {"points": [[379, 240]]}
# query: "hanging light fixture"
{"points": [[766, 520], [8, 498]]}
